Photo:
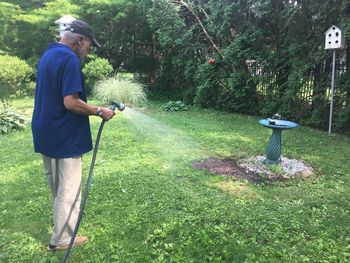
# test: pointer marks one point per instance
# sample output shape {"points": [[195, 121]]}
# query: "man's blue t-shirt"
{"points": [[57, 132]]}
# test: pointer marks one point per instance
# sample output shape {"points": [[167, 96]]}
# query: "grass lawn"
{"points": [[148, 204]]}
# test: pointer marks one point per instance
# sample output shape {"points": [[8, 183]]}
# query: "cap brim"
{"points": [[95, 42]]}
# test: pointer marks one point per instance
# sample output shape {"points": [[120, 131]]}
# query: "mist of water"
{"points": [[174, 147]]}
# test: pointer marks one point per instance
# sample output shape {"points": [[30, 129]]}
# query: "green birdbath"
{"points": [[273, 149]]}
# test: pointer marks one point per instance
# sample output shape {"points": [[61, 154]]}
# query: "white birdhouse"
{"points": [[63, 22], [334, 38]]}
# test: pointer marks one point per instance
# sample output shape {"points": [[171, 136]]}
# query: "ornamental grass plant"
{"points": [[122, 89]]}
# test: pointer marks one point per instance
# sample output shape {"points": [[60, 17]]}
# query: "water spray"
{"points": [[115, 105]]}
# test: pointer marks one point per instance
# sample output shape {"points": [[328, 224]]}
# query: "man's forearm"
{"points": [[77, 105]]}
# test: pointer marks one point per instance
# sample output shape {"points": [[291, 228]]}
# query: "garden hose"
{"points": [[114, 105]]}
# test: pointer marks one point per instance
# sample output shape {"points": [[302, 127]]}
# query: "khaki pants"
{"points": [[64, 177]]}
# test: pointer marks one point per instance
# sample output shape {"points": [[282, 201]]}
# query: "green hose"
{"points": [[120, 107]]}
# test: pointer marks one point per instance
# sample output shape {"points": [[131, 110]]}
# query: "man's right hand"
{"points": [[107, 113]]}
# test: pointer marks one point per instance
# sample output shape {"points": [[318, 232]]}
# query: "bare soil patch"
{"points": [[253, 170]]}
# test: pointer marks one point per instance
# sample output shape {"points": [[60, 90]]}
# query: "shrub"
{"points": [[14, 75], [174, 106], [96, 70], [124, 90], [12, 121]]}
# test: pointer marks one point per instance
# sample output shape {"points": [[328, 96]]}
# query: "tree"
{"points": [[8, 29]]}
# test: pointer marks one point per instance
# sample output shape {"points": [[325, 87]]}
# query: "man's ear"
{"points": [[81, 39]]}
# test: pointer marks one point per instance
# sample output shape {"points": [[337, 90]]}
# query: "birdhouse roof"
{"points": [[331, 29], [65, 19]]}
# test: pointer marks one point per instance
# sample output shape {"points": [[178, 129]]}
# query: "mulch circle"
{"points": [[231, 167], [227, 166]]}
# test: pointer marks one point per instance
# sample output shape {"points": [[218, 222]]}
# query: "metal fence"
{"points": [[266, 81]]}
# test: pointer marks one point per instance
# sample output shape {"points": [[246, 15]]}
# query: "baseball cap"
{"points": [[84, 29]]}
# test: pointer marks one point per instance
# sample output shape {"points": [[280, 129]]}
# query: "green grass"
{"points": [[148, 204]]}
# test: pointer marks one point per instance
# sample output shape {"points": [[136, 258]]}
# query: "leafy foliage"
{"points": [[174, 106], [12, 121], [36, 25], [122, 30], [14, 74], [229, 55], [95, 70], [8, 29], [264, 69]]}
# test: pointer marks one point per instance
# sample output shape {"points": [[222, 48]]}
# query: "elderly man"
{"points": [[60, 126]]}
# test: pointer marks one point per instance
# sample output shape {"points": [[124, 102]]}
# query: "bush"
{"points": [[14, 76], [124, 90], [96, 70], [174, 106], [12, 121]]}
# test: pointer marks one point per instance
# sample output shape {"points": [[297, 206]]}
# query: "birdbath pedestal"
{"points": [[273, 149]]}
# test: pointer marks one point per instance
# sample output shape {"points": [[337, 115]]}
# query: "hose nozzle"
{"points": [[115, 104]]}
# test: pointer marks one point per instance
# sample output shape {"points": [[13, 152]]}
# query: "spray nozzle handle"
{"points": [[115, 104]]}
